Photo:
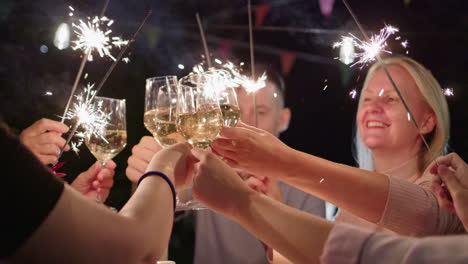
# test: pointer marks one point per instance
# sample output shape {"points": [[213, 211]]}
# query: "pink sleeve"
{"points": [[348, 244], [344, 244], [414, 211]]}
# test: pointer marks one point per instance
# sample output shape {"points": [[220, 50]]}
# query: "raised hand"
{"points": [[43, 139]]}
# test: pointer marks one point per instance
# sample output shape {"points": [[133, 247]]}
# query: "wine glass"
{"points": [[160, 110], [227, 97], [108, 141], [199, 118]]}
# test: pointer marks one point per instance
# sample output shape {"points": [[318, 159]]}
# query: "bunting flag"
{"points": [[326, 7], [260, 13], [224, 48], [287, 61]]}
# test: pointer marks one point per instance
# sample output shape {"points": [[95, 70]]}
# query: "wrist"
{"points": [[240, 207]]}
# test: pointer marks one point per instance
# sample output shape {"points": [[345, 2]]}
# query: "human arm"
{"points": [[43, 139], [347, 187], [258, 151], [219, 187], [64, 228]]}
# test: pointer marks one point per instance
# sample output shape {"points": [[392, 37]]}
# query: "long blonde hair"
{"points": [[433, 95]]}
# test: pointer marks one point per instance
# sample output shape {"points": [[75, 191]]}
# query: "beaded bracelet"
{"points": [[162, 175]]}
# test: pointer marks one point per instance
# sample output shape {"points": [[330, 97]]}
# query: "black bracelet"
{"points": [[162, 175]]}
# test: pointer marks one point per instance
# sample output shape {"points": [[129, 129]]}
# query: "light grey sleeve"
{"points": [[352, 245], [384, 249], [303, 201]]}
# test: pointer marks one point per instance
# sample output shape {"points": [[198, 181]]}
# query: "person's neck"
{"points": [[402, 164]]}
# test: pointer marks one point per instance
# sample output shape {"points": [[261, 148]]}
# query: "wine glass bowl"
{"points": [[199, 118], [161, 109], [108, 141]]}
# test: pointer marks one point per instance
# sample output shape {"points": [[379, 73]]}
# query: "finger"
{"points": [[110, 164], [143, 153], [449, 179], [231, 163], [48, 149], [48, 159], [224, 143], [44, 125], [149, 143], [51, 138], [256, 184], [450, 160], [105, 174], [133, 174], [138, 164], [104, 184], [244, 125], [235, 132], [226, 154]]}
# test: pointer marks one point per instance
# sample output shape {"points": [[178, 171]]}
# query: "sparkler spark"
{"points": [[236, 78], [370, 49], [89, 116], [94, 34], [353, 93], [448, 91]]}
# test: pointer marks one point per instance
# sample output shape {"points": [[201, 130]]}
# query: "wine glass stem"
{"points": [[98, 191]]}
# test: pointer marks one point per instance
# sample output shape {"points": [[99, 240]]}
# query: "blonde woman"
{"points": [[387, 197]]}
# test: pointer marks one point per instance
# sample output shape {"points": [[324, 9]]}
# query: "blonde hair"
{"points": [[434, 97]]}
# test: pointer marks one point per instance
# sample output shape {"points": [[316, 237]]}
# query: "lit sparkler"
{"points": [[370, 49], [94, 34], [89, 115], [236, 78]]}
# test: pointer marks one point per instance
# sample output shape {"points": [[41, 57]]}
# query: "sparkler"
{"points": [[373, 47], [384, 67], [88, 115], [104, 79], [252, 61], [87, 41], [205, 46], [237, 78]]}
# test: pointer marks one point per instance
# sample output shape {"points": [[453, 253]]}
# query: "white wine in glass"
{"points": [[160, 110], [111, 139], [226, 94], [199, 118]]}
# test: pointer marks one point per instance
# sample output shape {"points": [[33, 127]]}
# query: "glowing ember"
{"points": [[369, 50], [94, 34]]}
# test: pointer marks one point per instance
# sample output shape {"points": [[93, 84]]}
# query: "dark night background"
{"points": [[322, 121]]}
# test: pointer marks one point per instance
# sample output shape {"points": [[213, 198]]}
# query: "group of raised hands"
{"points": [[221, 175]]}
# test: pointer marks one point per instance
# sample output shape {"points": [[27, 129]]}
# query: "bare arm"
{"points": [[80, 231], [258, 152], [299, 236]]}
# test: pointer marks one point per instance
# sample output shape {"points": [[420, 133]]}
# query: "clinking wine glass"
{"points": [[226, 94], [199, 121], [111, 139], [199, 118], [161, 109]]}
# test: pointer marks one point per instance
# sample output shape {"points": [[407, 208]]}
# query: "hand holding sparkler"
{"points": [[43, 139]]}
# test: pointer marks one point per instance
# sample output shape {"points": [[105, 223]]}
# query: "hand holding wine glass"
{"points": [[108, 141]]}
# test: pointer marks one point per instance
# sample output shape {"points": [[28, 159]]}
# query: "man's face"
{"points": [[272, 117]]}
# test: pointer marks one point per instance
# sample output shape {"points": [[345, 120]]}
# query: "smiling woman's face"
{"points": [[383, 121]]}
